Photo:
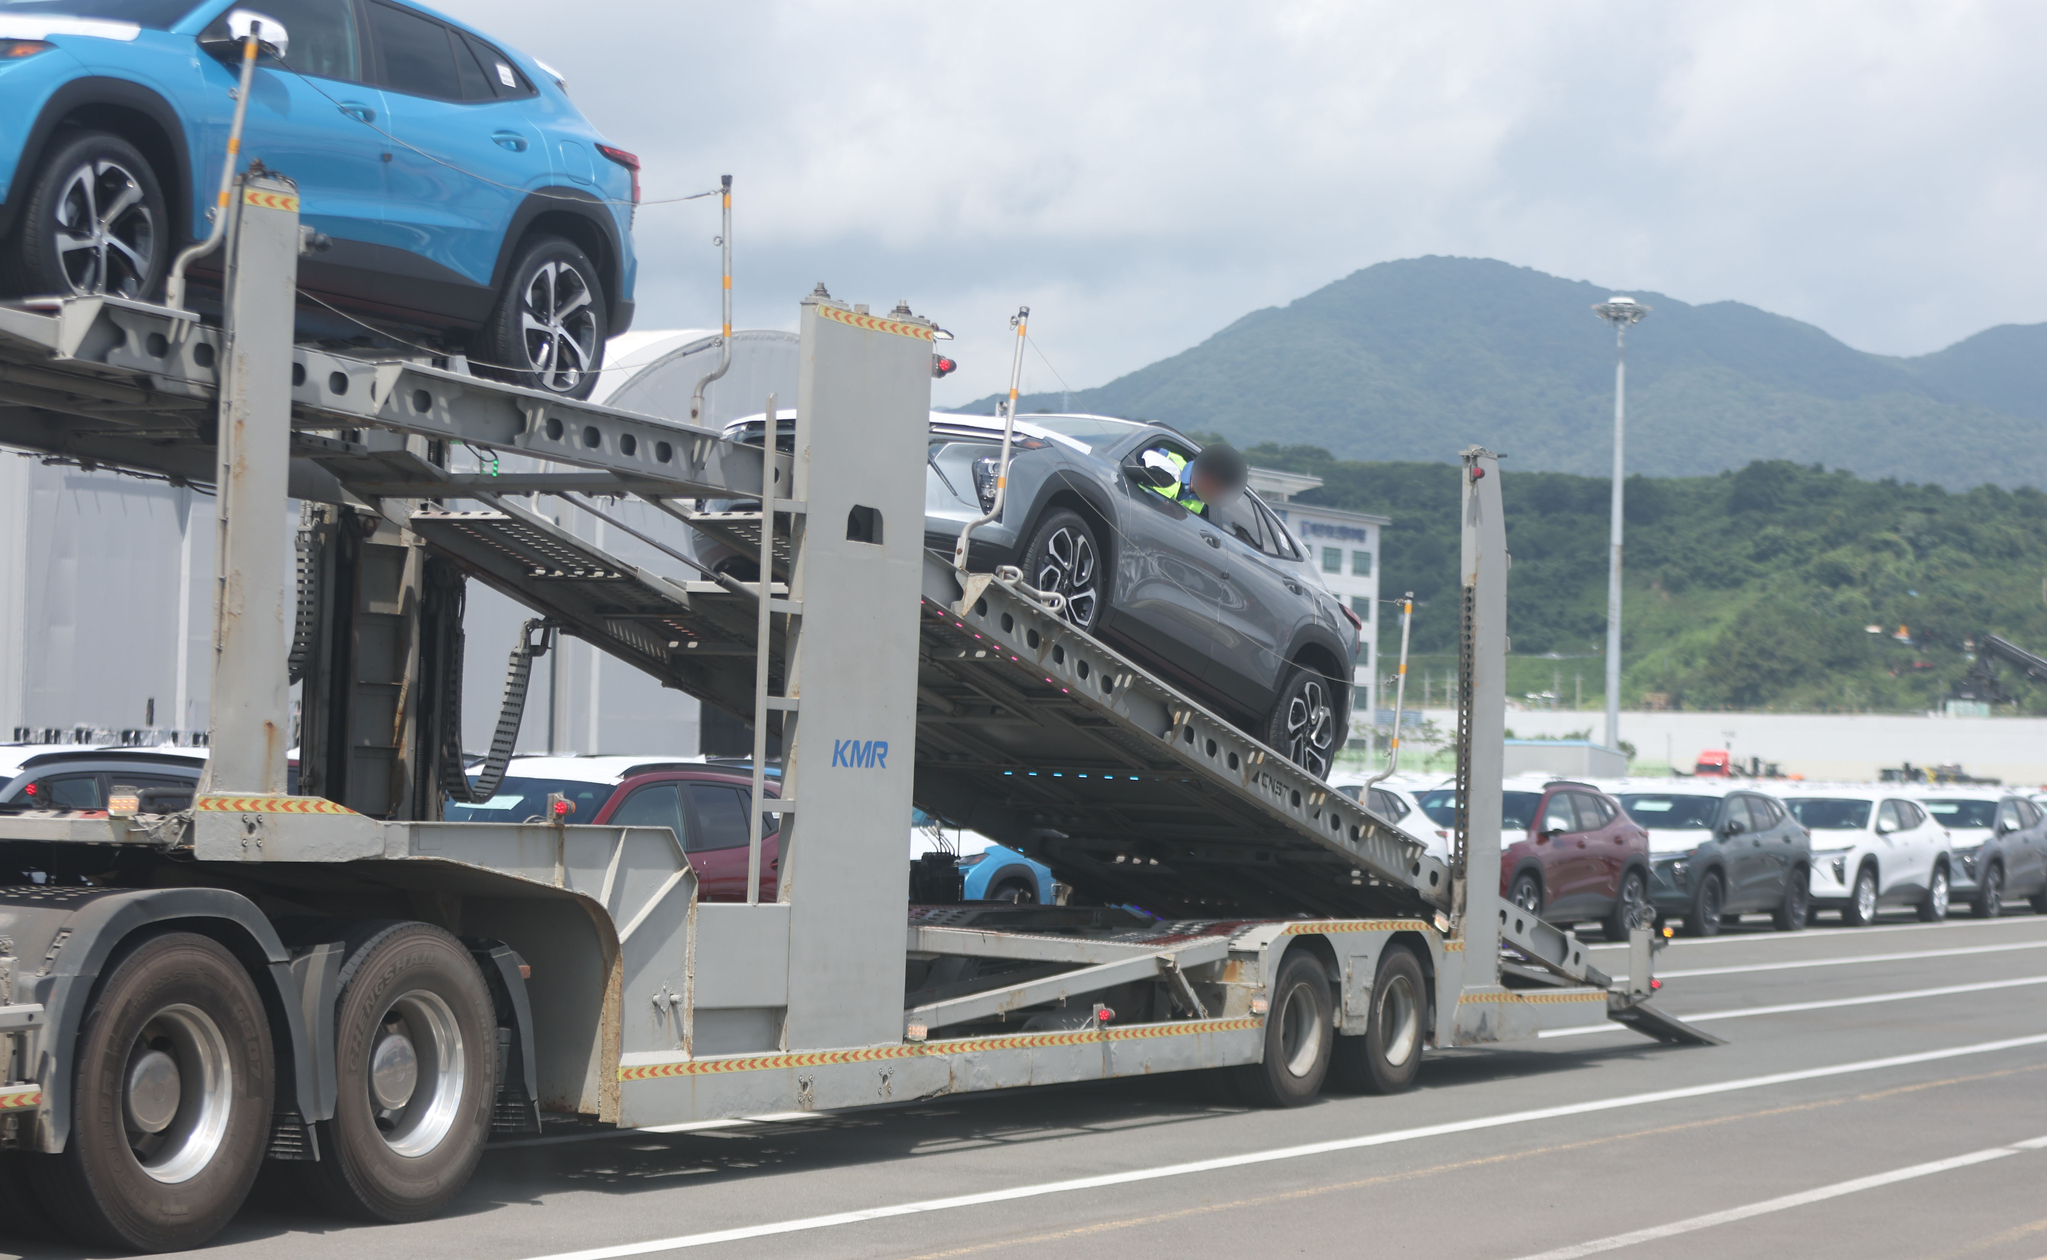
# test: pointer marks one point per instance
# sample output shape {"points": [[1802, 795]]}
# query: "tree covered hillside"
{"points": [[1746, 589]]}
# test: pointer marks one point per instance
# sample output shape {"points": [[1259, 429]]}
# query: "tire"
{"points": [[1526, 893], [95, 221], [1795, 911], [1065, 557], [1989, 901], [1300, 1033], [1861, 908], [1307, 720], [1934, 907], [1704, 918], [2039, 902], [547, 331], [401, 1144], [1388, 1057], [1631, 908], [1016, 892], [170, 1114]]}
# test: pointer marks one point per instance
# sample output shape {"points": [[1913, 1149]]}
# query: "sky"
{"points": [[1142, 174]]}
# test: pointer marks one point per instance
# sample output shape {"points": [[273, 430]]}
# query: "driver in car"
{"points": [[1215, 477]]}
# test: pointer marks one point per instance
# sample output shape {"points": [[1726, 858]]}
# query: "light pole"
{"points": [[1620, 312]]}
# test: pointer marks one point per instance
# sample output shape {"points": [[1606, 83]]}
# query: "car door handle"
{"points": [[1294, 587], [1211, 540], [358, 111], [510, 139]]}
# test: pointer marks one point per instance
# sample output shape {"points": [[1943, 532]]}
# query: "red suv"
{"points": [[706, 806], [1568, 852]]}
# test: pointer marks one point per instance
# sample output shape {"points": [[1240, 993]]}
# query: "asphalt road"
{"points": [[1883, 1094]]}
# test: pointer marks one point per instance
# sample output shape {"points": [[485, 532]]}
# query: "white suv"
{"points": [[1872, 847]]}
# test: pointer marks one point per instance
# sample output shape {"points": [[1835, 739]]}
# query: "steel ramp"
{"points": [[1637, 1013]]}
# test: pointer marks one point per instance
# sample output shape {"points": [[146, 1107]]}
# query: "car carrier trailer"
{"points": [[340, 981]]}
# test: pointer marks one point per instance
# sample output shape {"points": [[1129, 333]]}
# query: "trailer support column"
{"points": [[251, 697], [1482, 714]]}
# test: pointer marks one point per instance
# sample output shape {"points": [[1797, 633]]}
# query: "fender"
{"points": [[173, 169], [595, 220], [84, 928]]}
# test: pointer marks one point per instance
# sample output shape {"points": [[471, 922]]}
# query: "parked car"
{"points": [[1229, 606], [1397, 800], [706, 806], [1997, 846], [461, 195], [989, 871], [1872, 847], [1568, 852], [84, 778], [1718, 851]]}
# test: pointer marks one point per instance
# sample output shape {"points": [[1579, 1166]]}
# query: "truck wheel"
{"points": [[1990, 894], [1299, 1030], [1631, 909], [416, 1061], [1861, 908], [1795, 911], [1704, 917], [171, 1106], [1934, 907], [1388, 1057]]}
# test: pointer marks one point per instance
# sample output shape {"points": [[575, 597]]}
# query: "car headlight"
{"points": [[973, 859], [16, 49], [1840, 865], [987, 470]]}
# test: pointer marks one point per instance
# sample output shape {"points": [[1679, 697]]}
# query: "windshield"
{"points": [[521, 800], [1828, 814], [155, 14], [1517, 809], [1671, 813], [1092, 430], [1963, 813]]}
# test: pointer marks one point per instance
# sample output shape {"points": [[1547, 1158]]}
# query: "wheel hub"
{"points": [[155, 1088], [394, 1070]]}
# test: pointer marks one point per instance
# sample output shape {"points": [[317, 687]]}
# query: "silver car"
{"points": [[1228, 605]]}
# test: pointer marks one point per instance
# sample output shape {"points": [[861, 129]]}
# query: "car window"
{"points": [[1911, 814], [1386, 805], [415, 54], [1557, 814], [1963, 813], [1670, 811], [1517, 809], [1743, 810], [656, 805], [505, 79], [1240, 520], [1891, 816], [1283, 543], [1822, 813], [520, 800], [65, 791], [2008, 816], [721, 816], [2029, 812], [322, 34], [1593, 813]]}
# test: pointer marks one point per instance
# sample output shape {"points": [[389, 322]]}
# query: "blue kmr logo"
{"points": [[859, 754]]}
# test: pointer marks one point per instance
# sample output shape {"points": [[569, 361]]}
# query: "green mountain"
{"points": [[1747, 589], [1413, 360]]}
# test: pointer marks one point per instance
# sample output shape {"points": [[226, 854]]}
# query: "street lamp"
{"points": [[1620, 312]]}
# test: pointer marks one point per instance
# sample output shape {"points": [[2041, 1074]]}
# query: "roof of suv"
{"points": [[600, 767]]}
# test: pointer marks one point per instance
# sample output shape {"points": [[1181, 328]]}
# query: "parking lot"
{"points": [[1889, 1073]]}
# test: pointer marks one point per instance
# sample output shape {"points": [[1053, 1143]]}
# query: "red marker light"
{"points": [[30, 790], [563, 809], [942, 366], [1655, 985], [1477, 473]]}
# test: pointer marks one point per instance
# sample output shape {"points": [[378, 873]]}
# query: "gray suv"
{"points": [[1227, 605]]}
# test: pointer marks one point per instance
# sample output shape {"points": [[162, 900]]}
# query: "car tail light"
{"points": [[1357, 623], [630, 161]]}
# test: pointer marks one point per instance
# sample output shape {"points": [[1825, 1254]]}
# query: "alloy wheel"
{"points": [[1068, 568], [1865, 897], [1526, 895], [558, 326], [1635, 908], [1311, 727], [106, 234]]}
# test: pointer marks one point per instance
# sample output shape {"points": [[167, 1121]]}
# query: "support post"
{"points": [[1483, 715], [251, 698]]}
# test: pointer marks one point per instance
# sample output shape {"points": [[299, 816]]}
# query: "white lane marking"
{"points": [[1846, 933], [804, 1224], [1790, 1007], [1803, 1197], [1848, 960]]}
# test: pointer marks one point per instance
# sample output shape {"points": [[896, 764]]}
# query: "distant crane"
{"points": [[1981, 683]]}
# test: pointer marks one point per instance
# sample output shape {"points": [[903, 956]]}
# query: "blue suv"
{"points": [[464, 199]]}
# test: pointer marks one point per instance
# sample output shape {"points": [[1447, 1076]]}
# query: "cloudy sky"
{"points": [[1141, 174]]}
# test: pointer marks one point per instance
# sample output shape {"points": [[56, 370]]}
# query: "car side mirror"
{"points": [[1731, 828], [224, 36], [1148, 475], [1551, 834]]}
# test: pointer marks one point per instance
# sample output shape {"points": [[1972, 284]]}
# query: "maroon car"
{"points": [[706, 806], [1567, 852]]}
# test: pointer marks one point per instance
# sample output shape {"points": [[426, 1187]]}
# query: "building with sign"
{"points": [[1345, 548]]}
